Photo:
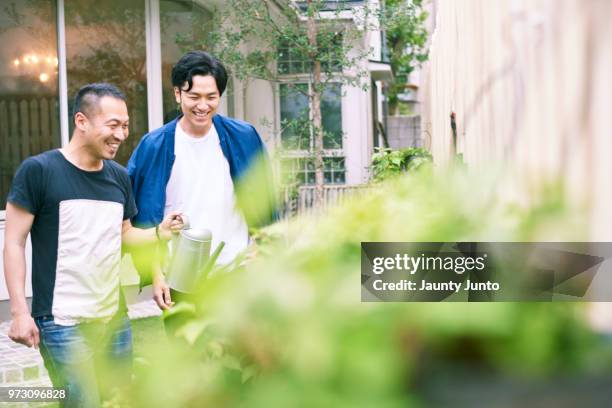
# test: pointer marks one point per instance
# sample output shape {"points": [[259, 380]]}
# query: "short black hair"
{"points": [[198, 63], [87, 98]]}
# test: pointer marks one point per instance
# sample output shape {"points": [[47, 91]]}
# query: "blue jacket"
{"points": [[151, 164]]}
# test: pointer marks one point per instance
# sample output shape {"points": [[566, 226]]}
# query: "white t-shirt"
{"points": [[201, 187]]}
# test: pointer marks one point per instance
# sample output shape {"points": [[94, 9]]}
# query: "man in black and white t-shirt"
{"points": [[76, 203]]}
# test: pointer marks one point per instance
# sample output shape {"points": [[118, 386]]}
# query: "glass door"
{"points": [[106, 42]]}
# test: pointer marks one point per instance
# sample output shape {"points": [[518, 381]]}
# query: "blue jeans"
{"points": [[90, 360]]}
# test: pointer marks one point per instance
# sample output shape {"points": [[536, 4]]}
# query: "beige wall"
{"points": [[261, 108], [530, 83]]}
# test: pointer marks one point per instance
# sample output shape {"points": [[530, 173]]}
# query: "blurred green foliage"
{"points": [[387, 162], [289, 329], [256, 194]]}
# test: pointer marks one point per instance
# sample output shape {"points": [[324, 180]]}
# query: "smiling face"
{"points": [[198, 104], [105, 128]]}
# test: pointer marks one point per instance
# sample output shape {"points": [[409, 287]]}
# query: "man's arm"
{"points": [[130, 235], [18, 225], [161, 290]]}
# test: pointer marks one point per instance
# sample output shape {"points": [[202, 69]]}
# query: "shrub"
{"points": [[388, 163]]}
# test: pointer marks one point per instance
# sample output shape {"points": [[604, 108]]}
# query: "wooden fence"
{"points": [[29, 125]]}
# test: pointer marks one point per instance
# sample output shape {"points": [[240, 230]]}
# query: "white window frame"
{"points": [[62, 75], [155, 108]]}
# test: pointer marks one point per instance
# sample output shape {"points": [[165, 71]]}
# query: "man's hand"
{"points": [[23, 330], [172, 223], [161, 293]]}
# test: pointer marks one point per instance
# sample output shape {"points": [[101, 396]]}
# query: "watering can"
{"points": [[190, 256]]}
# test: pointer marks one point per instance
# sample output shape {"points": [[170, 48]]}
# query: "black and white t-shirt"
{"points": [[76, 235]]}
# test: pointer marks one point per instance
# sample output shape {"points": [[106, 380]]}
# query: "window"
{"points": [[333, 4], [29, 98], [295, 117], [106, 42], [290, 61], [297, 138], [331, 115], [301, 171]]}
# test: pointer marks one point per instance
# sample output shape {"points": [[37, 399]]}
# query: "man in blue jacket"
{"points": [[198, 163]]}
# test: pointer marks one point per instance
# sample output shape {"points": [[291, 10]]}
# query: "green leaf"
{"points": [[248, 373], [192, 330]]}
